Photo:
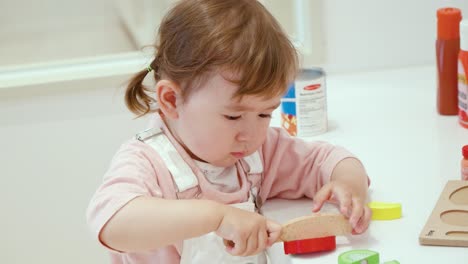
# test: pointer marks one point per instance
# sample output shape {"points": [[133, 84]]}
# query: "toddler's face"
{"points": [[218, 129]]}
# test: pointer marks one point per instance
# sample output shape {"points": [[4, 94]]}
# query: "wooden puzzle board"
{"points": [[448, 223]]}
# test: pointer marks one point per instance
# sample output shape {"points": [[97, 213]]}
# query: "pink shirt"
{"points": [[292, 168]]}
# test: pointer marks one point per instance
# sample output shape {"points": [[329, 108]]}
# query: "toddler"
{"points": [[209, 160]]}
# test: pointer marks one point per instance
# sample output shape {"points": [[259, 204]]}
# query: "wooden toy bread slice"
{"points": [[310, 229], [315, 226], [315, 233]]}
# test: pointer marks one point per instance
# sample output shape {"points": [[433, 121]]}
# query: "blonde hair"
{"points": [[199, 36]]}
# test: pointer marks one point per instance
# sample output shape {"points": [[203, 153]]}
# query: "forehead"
{"points": [[219, 90], [212, 87]]}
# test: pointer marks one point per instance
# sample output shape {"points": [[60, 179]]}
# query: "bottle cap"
{"points": [[448, 23], [464, 35], [465, 151]]}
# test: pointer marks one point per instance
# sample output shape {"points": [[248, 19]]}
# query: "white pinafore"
{"points": [[208, 248]]}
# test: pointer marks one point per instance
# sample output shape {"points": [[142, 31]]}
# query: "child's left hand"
{"points": [[351, 204]]}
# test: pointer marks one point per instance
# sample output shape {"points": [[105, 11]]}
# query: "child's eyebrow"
{"points": [[240, 108]]}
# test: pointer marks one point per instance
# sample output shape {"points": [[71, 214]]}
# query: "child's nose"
{"points": [[242, 137], [246, 134]]}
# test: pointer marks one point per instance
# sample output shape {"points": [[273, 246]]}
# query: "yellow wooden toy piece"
{"points": [[385, 211]]}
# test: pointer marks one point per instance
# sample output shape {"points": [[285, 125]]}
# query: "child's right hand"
{"points": [[248, 233]]}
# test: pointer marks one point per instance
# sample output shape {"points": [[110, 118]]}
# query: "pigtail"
{"points": [[136, 96]]}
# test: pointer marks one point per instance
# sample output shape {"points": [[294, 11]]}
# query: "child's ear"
{"points": [[167, 94]]}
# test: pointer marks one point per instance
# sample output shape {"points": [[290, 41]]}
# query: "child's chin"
{"points": [[225, 163]]}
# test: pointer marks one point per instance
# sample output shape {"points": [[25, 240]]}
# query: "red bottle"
{"points": [[464, 163], [447, 49], [463, 75]]}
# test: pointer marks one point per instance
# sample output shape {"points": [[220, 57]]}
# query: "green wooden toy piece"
{"points": [[359, 257]]}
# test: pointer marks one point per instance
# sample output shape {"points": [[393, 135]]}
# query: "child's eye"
{"points": [[228, 117], [265, 115]]}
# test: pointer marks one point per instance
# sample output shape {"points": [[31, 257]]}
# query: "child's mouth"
{"points": [[238, 154]]}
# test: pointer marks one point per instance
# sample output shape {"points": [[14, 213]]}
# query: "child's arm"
{"points": [[294, 168], [348, 187], [147, 223], [135, 209]]}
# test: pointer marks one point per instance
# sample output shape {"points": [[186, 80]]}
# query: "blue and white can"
{"points": [[304, 106]]}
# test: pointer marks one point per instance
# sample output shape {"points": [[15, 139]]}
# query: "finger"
{"points": [[239, 246], [345, 201], [252, 244], [274, 232], [321, 197], [357, 212], [365, 220], [262, 239]]}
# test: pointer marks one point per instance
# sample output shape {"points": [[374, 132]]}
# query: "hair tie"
{"points": [[149, 68]]}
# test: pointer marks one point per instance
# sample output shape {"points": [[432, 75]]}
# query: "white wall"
{"points": [[56, 144], [43, 31], [365, 35], [374, 34]]}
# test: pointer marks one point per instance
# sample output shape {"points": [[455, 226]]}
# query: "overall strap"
{"points": [[253, 167], [182, 174]]}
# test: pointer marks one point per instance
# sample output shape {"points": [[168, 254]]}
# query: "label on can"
{"points": [[462, 94], [304, 106]]}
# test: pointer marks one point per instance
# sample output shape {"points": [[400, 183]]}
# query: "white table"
{"points": [[389, 120]]}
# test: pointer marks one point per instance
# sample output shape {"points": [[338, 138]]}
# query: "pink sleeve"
{"points": [[131, 174], [294, 168]]}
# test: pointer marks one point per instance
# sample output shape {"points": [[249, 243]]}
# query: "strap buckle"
{"points": [[148, 133]]}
